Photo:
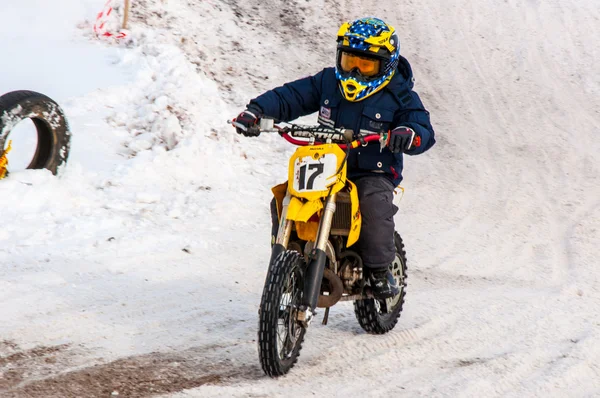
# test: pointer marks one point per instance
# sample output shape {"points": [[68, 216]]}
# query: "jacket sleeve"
{"points": [[416, 117], [292, 100]]}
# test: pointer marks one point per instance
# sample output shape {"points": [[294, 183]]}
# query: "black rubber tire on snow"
{"points": [[287, 266], [53, 135], [368, 313]]}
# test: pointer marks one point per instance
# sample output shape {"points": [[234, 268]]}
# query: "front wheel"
{"points": [[280, 335], [380, 316]]}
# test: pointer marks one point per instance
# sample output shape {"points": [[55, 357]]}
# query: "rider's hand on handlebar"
{"points": [[247, 122], [403, 139]]}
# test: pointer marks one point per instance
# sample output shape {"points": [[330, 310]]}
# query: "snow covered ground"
{"points": [[139, 269]]}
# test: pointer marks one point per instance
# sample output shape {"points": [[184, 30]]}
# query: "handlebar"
{"points": [[349, 144], [343, 137]]}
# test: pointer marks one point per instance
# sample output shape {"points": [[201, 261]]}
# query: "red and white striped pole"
{"points": [[100, 26]]}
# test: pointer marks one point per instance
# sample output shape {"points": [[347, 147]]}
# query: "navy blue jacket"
{"points": [[395, 105]]}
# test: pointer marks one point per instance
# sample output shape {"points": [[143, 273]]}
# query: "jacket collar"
{"points": [[403, 79]]}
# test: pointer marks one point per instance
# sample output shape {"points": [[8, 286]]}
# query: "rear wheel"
{"points": [[53, 135], [280, 335], [380, 316]]}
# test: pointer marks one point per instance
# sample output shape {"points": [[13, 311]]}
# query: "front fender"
{"points": [[303, 211]]}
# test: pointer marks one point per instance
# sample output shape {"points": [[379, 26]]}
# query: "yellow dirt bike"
{"points": [[311, 264]]}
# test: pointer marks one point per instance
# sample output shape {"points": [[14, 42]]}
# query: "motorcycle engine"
{"points": [[352, 272]]}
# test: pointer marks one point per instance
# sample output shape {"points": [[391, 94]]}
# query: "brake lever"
{"points": [[265, 125], [383, 140], [237, 125]]}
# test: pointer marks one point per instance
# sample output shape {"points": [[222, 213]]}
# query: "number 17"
{"points": [[303, 182]]}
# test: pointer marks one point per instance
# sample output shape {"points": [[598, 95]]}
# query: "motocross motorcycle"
{"points": [[312, 264]]}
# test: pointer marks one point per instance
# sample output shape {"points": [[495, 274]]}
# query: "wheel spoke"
{"points": [[286, 324], [280, 334], [380, 316], [399, 276]]}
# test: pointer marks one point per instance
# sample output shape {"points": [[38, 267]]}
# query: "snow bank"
{"points": [[155, 236]]}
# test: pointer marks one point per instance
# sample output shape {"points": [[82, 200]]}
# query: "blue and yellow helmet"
{"points": [[362, 41]]}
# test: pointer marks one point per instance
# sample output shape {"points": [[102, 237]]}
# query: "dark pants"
{"points": [[376, 242]]}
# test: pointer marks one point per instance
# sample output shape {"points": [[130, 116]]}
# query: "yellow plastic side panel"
{"points": [[356, 221], [279, 192]]}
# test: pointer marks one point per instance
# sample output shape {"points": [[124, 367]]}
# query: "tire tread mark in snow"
{"points": [[364, 347]]}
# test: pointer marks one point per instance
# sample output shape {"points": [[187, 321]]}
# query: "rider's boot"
{"points": [[383, 283]]}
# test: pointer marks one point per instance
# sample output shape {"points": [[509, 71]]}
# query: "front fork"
{"points": [[283, 232], [318, 257]]}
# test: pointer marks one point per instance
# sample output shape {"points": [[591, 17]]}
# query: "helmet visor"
{"points": [[366, 66]]}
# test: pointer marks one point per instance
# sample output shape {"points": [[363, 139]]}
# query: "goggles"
{"points": [[367, 66]]}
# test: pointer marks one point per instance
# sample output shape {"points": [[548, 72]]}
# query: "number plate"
{"points": [[314, 174]]}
